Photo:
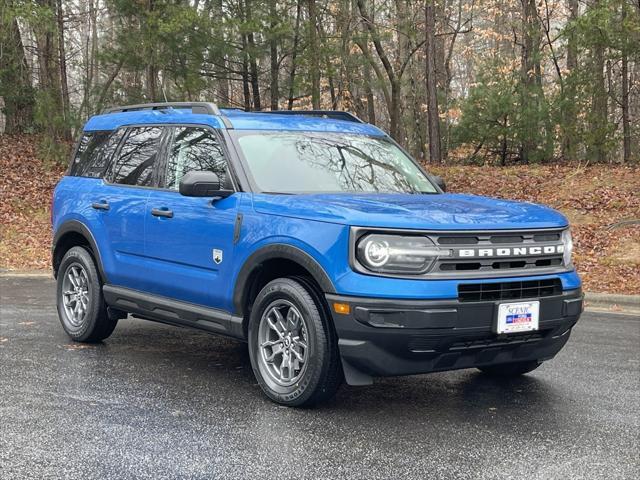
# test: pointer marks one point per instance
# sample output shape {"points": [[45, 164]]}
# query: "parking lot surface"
{"points": [[154, 401]]}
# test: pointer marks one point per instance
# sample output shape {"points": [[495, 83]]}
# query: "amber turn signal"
{"points": [[342, 308]]}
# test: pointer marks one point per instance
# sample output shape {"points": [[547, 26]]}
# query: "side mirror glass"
{"points": [[202, 184], [439, 181]]}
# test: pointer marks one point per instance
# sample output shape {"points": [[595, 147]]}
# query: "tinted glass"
{"points": [[195, 149], [110, 147], [89, 160], [302, 162], [137, 157]]}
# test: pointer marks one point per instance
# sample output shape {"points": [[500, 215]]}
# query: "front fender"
{"points": [[320, 247]]}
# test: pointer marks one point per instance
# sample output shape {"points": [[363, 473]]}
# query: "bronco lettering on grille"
{"points": [[509, 251]]}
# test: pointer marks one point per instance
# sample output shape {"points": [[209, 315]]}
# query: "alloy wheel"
{"points": [[75, 294], [283, 341]]}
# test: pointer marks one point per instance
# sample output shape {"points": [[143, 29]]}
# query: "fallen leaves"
{"points": [[26, 186]]}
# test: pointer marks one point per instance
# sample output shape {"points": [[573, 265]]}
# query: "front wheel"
{"points": [[510, 369], [292, 345]]}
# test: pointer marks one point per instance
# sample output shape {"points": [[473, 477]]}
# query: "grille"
{"points": [[478, 292], [497, 253]]}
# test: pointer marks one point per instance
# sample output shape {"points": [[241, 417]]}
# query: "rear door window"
{"points": [[138, 157], [90, 159]]}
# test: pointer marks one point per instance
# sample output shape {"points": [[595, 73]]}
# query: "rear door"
{"points": [[121, 200], [189, 240]]}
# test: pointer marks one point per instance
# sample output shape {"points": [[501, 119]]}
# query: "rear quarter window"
{"points": [[93, 154]]}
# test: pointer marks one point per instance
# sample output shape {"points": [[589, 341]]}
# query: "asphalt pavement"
{"points": [[155, 401]]}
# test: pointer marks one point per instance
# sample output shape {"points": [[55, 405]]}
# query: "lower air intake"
{"points": [[480, 292]]}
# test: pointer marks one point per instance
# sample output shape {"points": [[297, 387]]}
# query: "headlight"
{"points": [[397, 253], [567, 241]]}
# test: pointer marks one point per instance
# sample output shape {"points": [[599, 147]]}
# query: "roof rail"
{"points": [[333, 114], [196, 107]]}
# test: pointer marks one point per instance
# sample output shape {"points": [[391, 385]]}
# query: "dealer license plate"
{"points": [[518, 317]]}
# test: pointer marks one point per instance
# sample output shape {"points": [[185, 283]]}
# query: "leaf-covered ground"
{"points": [[597, 199], [26, 185]]}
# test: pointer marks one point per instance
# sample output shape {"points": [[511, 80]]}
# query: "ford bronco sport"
{"points": [[313, 237]]}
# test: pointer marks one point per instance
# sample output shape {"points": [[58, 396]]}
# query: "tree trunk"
{"points": [[599, 112], [433, 117], [394, 111], [255, 85], [634, 110], [315, 55], [92, 59], [64, 84], [222, 87], [294, 56], [569, 111], [626, 123], [152, 81], [245, 75], [442, 71], [152, 69], [530, 80], [371, 107], [273, 53], [332, 92]]}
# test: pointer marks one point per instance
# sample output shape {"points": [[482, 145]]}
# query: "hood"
{"points": [[429, 212]]}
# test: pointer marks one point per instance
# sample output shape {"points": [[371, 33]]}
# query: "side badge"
{"points": [[217, 256]]}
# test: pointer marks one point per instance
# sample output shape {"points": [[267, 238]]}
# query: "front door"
{"points": [[189, 240]]}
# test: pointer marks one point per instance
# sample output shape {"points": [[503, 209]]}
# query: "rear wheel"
{"points": [[292, 345], [81, 307], [510, 369]]}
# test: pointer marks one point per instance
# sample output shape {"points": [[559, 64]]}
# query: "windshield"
{"points": [[311, 162]]}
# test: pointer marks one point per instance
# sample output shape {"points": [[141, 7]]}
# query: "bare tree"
{"points": [[435, 152], [315, 61], [64, 83]]}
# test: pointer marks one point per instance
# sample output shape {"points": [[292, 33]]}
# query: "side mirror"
{"points": [[202, 184], [439, 181]]}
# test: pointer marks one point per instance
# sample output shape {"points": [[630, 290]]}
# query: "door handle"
{"points": [[160, 212], [101, 205]]}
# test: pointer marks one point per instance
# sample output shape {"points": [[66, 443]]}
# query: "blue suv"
{"points": [[313, 237]]}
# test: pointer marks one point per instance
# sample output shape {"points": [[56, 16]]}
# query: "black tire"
{"points": [[96, 324], [322, 375], [510, 369]]}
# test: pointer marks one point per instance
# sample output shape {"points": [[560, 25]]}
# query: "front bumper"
{"points": [[382, 337]]}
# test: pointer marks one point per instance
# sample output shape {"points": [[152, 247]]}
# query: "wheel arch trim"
{"points": [[76, 226], [277, 251]]}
